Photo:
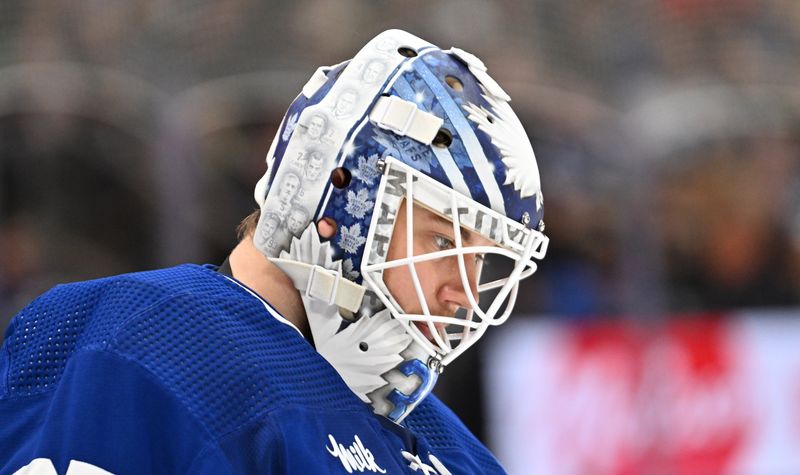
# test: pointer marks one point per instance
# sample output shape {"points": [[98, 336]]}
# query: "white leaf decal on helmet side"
{"points": [[351, 238], [364, 350], [358, 203], [508, 135]]}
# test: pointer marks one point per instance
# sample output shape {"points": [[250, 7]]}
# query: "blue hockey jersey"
{"points": [[186, 371]]}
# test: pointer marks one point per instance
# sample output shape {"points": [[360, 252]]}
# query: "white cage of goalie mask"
{"points": [[514, 241]]}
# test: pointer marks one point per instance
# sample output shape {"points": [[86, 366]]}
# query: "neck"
{"points": [[253, 269]]}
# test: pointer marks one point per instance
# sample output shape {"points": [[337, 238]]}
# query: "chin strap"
{"points": [[323, 284]]}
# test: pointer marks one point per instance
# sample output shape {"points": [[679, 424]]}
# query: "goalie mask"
{"points": [[404, 137]]}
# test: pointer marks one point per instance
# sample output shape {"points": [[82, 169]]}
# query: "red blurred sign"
{"points": [[699, 396]]}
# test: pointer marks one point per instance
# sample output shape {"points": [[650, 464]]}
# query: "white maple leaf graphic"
{"points": [[349, 269], [310, 248], [358, 203], [364, 350], [367, 170], [508, 135], [351, 238]]}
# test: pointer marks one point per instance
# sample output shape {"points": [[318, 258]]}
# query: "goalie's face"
{"points": [[442, 285], [427, 289], [428, 250]]}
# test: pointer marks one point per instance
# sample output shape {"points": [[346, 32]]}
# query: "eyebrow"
{"points": [[466, 236]]}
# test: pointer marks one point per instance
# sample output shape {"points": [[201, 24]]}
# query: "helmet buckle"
{"points": [[317, 289], [405, 119]]}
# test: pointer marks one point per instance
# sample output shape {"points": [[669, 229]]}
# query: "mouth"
{"points": [[426, 331]]}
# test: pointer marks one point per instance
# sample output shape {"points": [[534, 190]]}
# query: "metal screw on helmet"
{"points": [[541, 226], [381, 165], [435, 364], [526, 218]]}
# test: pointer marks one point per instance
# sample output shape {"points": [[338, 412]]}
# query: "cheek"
{"points": [[399, 282], [427, 273], [398, 279]]}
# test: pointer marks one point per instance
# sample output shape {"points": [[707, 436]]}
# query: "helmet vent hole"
{"points": [[490, 118], [407, 52], [454, 83], [326, 227], [443, 138], [363, 346], [340, 177]]}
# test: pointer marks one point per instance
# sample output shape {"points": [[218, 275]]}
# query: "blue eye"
{"points": [[443, 243]]}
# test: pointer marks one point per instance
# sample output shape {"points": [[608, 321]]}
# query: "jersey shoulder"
{"points": [[190, 335], [228, 355], [41, 338], [449, 437], [210, 341]]}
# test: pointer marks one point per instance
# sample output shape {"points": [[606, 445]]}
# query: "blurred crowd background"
{"points": [[667, 133]]}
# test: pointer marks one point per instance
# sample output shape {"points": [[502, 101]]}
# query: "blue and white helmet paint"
{"points": [[407, 122]]}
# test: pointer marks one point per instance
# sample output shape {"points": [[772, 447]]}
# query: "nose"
{"points": [[452, 293]]}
